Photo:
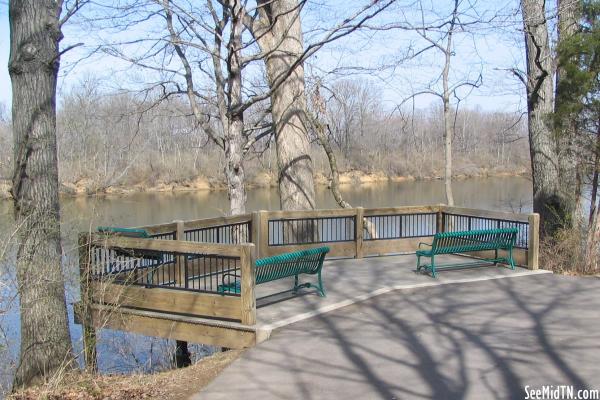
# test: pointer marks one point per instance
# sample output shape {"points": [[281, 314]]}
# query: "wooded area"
{"points": [[104, 141]]}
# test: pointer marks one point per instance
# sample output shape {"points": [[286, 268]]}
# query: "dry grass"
{"points": [[565, 253], [174, 384]]}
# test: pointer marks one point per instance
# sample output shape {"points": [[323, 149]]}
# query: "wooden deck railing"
{"points": [[355, 232], [187, 260], [184, 276], [167, 285], [360, 232]]}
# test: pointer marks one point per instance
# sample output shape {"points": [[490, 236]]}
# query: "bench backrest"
{"points": [[281, 266], [475, 240], [127, 232]]}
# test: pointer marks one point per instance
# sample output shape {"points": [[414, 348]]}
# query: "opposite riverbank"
{"points": [[89, 187]]}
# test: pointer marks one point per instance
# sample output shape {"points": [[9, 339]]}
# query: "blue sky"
{"points": [[4, 51], [488, 51]]}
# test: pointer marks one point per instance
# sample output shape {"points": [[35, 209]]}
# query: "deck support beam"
{"points": [[182, 354]]}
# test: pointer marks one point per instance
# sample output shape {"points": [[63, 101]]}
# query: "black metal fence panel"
{"points": [[222, 234], [283, 232], [171, 270], [399, 226], [164, 236], [459, 222]]}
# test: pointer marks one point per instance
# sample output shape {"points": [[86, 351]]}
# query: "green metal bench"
{"points": [[469, 241], [133, 233], [127, 232], [283, 266]]}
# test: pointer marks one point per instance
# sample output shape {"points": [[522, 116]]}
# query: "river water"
{"points": [[120, 352]]}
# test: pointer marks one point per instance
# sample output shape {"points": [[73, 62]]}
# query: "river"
{"points": [[120, 352]]}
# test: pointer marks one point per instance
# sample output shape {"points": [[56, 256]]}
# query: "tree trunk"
{"points": [[282, 44], [547, 197], [234, 169], [569, 13], [234, 135], [592, 242], [335, 175], [33, 66], [594, 193]]}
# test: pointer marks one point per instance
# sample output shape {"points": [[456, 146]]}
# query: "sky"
{"points": [[481, 51], [5, 92]]}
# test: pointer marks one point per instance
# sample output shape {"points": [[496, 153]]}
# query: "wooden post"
{"points": [[264, 233], [256, 233], [360, 217], [180, 230], [182, 353], [179, 265], [533, 245], [248, 282], [439, 219], [88, 330]]}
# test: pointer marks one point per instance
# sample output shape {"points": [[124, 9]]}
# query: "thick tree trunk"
{"points": [[33, 66], [547, 196], [569, 13], [282, 44]]}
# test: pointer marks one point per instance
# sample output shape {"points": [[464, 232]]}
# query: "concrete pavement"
{"points": [[479, 340]]}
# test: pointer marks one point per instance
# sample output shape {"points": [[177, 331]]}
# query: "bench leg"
{"points": [[318, 286], [510, 258], [495, 256], [321, 289], [433, 273], [419, 263]]}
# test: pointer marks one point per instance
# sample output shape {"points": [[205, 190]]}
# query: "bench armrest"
{"points": [[423, 243], [236, 276]]}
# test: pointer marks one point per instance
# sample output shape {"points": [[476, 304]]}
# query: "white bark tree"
{"points": [[439, 35]]}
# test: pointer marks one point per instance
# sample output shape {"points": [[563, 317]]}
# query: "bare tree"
{"points": [[228, 88], [448, 52], [216, 32], [35, 33], [438, 32]]}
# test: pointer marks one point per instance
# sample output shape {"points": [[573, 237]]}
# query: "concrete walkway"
{"points": [[479, 340], [348, 281]]}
